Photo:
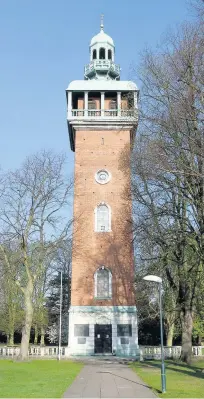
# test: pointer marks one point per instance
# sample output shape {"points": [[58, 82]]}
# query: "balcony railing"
{"points": [[84, 113], [102, 65]]}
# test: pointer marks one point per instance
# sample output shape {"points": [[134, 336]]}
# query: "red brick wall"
{"points": [[111, 249]]}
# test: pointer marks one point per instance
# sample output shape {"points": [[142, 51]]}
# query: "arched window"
{"points": [[103, 283], [109, 54], [102, 54], [94, 54], [102, 218]]}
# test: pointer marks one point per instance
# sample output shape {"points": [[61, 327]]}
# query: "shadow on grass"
{"points": [[192, 371]]}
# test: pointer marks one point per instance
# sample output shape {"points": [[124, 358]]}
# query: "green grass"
{"points": [[182, 381], [37, 378]]}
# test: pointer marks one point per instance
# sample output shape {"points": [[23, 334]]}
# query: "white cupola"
{"points": [[102, 57]]}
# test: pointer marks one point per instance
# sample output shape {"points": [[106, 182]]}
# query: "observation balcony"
{"points": [[101, 104], [103, 67]]}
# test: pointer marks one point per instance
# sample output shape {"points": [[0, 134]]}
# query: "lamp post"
{"points": [[158, 280], [60, 321]]}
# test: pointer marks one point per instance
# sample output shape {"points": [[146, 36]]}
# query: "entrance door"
{"points": [[103, 338]]}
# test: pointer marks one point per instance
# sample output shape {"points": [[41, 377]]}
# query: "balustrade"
{"points": [[102, 64], [34, 351], [146, 352], [170, 352], [80, 113]]}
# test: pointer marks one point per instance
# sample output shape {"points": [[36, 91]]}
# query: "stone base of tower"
{"points": [[103, 330]]}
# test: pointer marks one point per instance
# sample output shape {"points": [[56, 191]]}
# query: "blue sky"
{"points": [[44, 44]]}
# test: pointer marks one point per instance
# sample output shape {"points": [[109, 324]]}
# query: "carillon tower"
{"points": [[102, 120]]}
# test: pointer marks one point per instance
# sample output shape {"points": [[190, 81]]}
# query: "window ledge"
{"points": [[124, 336], [102, 231], [102, 298]]}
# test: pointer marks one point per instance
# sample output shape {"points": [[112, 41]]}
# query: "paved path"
{"points": [[108, 380]]}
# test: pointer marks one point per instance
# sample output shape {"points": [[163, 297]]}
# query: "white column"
{"points": [[119, 103], [69, 105], [135, 99], [102, 103], [86, 103]]}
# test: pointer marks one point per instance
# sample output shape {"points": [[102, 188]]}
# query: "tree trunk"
{"points": [[200, 339], [36, 336], [42, 338], [11, 338], [170, 335], [187, 327], [28, 292]]}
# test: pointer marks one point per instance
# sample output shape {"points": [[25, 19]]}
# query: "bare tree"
{"points": [[34, 215], [11, 312], [61, 264], [168, 166]]}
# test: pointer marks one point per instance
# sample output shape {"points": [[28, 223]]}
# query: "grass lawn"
{"points": [[181, 381], [37, 378]]}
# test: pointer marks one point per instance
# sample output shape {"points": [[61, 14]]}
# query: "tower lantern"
{"points": [[102, 120], [102, 55]]}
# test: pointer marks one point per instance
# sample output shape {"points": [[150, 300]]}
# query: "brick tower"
{"points": [[102, 115]]}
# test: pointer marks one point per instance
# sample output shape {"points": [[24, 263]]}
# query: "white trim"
{"points": [[69, 105], [102, 85], [102, 126], [102, 182], [86, 102], [95, 218]]}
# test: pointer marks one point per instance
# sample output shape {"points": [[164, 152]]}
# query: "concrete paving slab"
{"points": [[108, 381]]}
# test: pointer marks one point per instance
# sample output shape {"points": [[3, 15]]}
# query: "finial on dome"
{"points": [[102, 25]]}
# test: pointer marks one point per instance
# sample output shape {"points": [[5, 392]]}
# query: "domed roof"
{"points": [[102, 37]]}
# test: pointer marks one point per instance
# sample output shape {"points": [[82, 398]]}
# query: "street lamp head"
{"points": [[150, 277]]}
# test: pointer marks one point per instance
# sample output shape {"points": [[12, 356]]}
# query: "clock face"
{"points": [[102, 176]]}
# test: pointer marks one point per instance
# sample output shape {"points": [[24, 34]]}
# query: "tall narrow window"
{"points": [[113, 104], [103, 283], [109, 54], [94, 54], [102, 53], [102, 218]]}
